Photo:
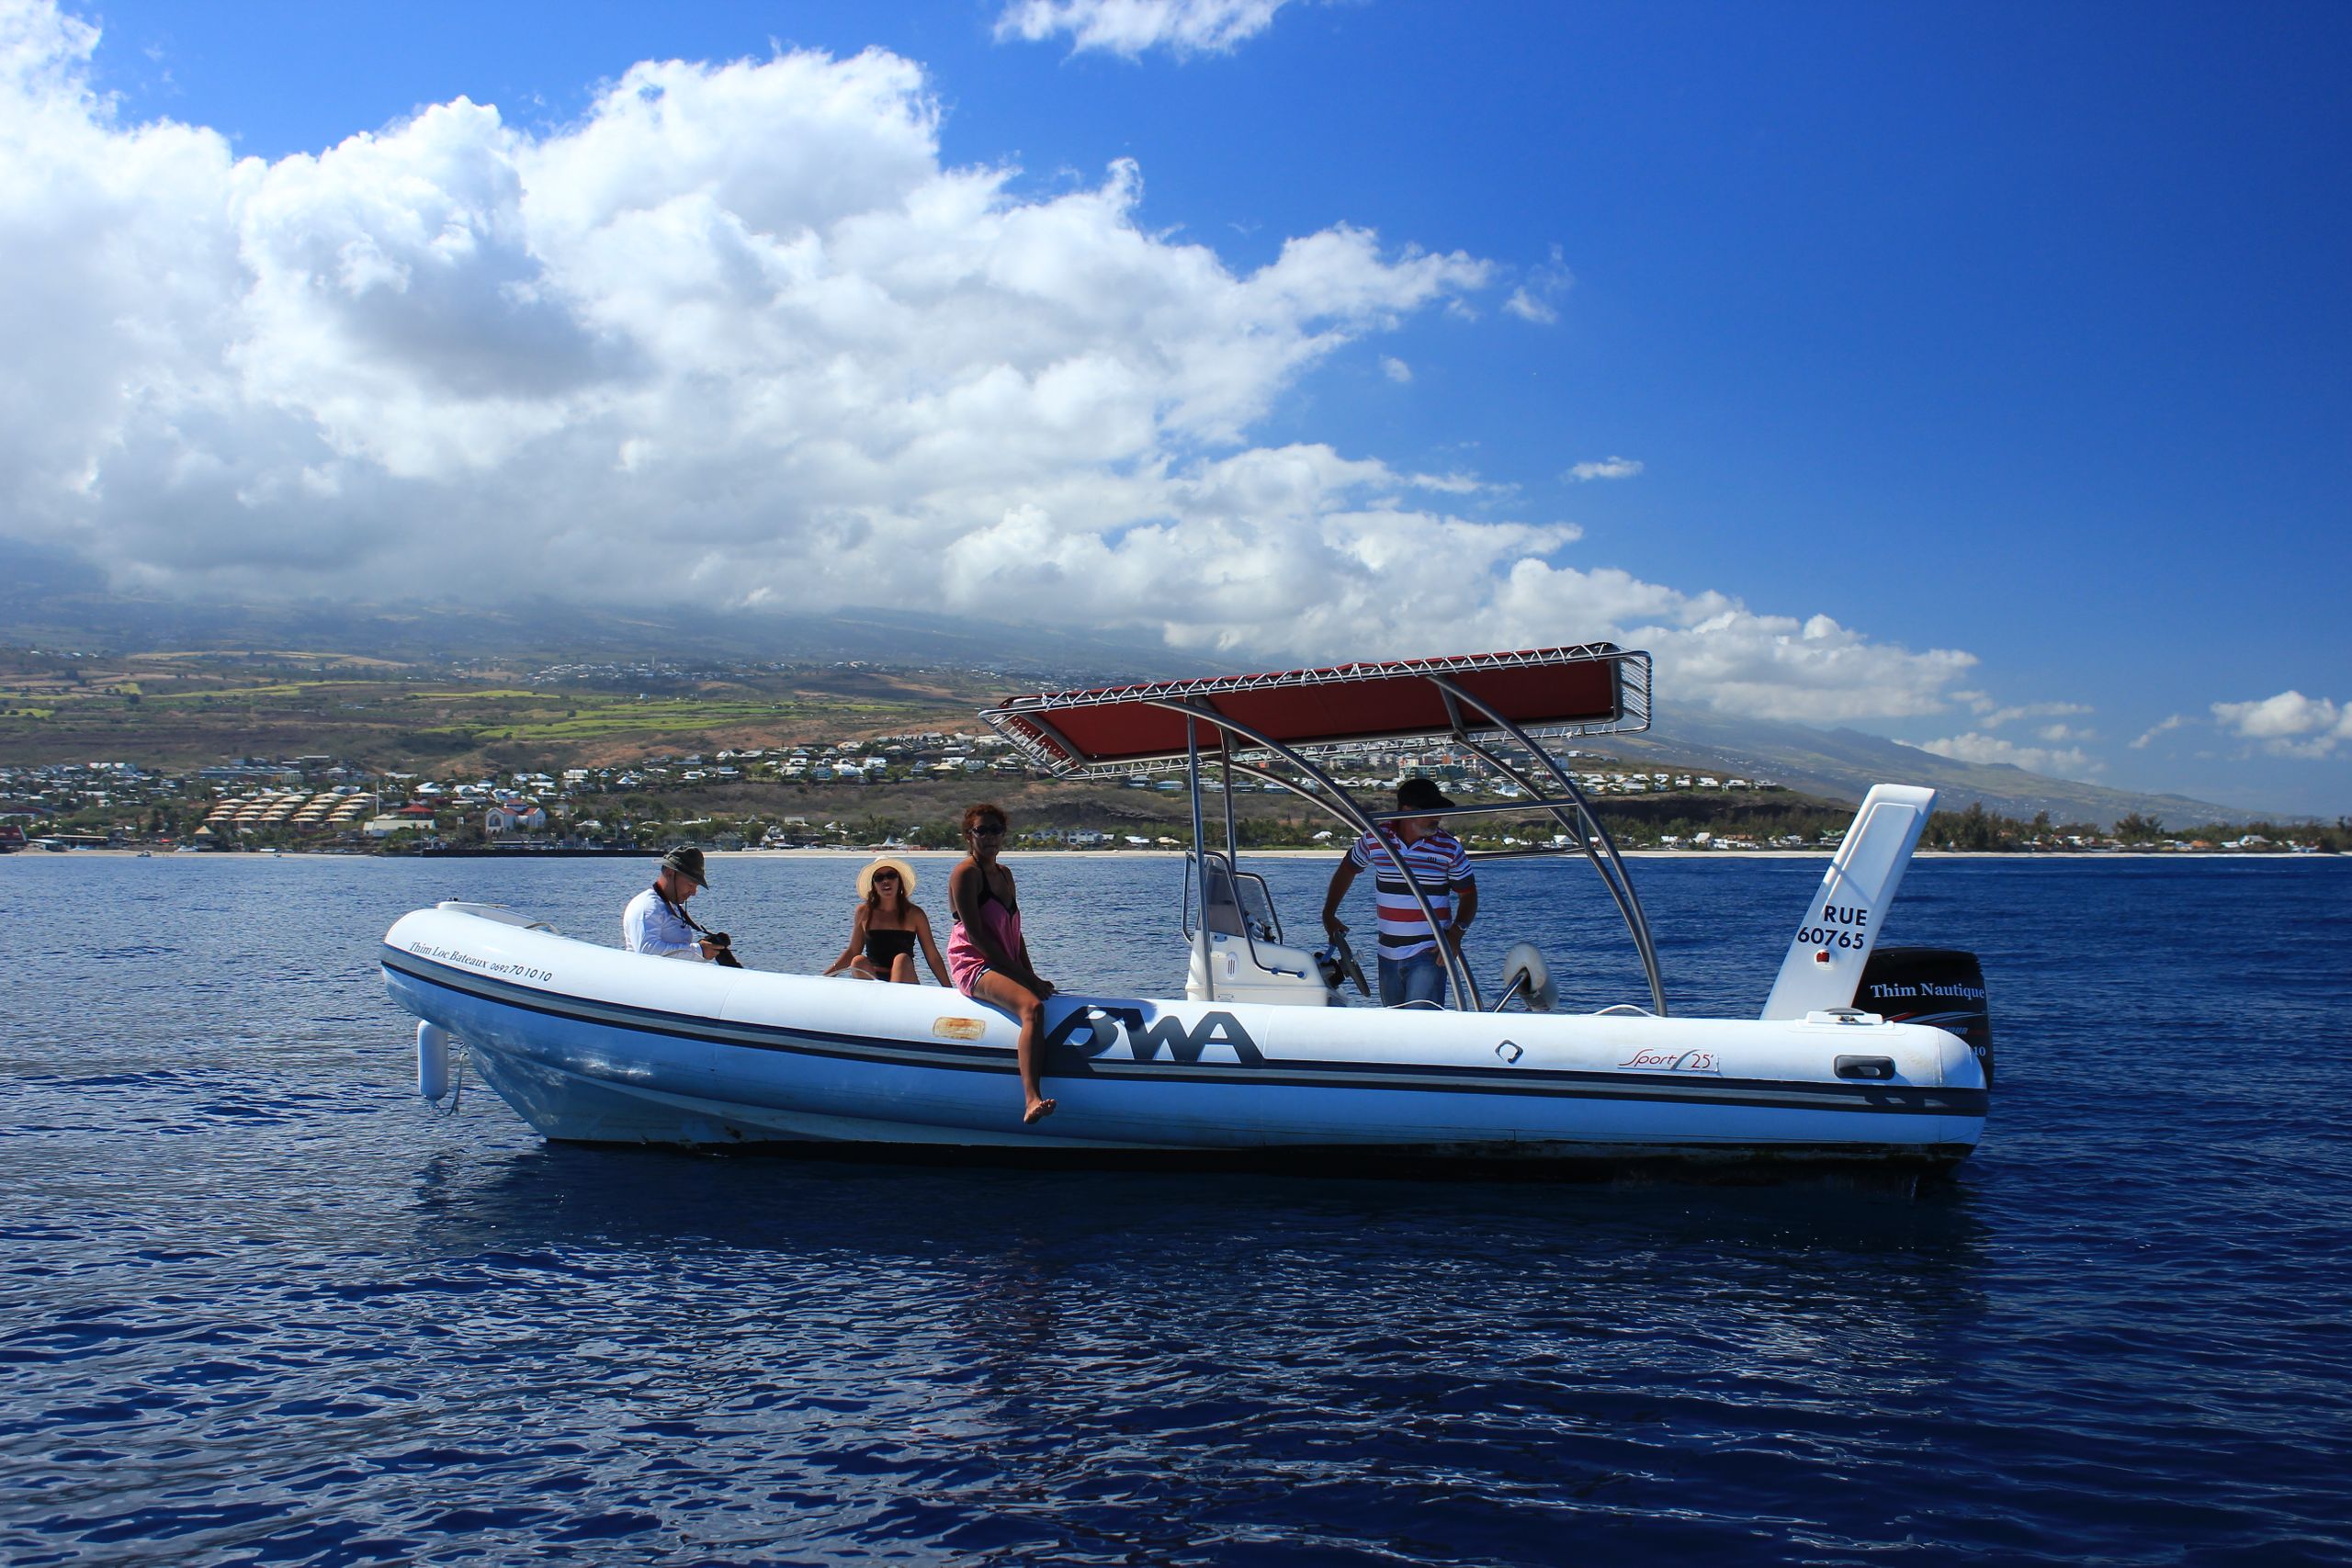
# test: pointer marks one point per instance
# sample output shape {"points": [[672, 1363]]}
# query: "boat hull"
{"points": [[587, 1043]]}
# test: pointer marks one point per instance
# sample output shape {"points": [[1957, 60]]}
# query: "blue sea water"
{"points": [[258, 1304]]}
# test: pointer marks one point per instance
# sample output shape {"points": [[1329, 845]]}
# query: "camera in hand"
{"points": [[725, 957]]}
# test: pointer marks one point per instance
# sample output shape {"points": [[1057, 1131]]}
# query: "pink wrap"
{"points": [[965, 959]]}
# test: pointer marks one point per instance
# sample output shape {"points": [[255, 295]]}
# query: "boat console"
{"points": [[1247, 960]]}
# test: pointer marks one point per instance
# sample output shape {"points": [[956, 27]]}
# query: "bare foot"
{"points": [[1038, 1111]]}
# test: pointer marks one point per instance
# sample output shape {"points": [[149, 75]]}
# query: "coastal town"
{"points": [[473, 752], [903, 790]]}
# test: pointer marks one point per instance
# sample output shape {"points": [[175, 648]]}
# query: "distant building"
{"points": [[514, 816]]}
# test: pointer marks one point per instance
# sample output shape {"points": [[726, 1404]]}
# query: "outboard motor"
{"points": [[1939, 986]]}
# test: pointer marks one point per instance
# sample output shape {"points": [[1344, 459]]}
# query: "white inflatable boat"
{"points": [[1858, 1055]]}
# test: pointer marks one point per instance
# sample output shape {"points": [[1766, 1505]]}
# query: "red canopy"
{"points": [[1551, 691]]}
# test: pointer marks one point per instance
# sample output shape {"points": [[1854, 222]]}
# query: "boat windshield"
{"points": [[1237, 903]]}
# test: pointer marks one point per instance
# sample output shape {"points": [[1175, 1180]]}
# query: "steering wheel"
{"points": [[1348, 965]]}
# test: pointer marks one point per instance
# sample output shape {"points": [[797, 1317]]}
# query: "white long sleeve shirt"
{"points": [[649, 925]]}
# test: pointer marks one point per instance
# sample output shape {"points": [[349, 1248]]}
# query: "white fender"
{"points": [[432, 1060], [1833, 944], [1540, 991]]}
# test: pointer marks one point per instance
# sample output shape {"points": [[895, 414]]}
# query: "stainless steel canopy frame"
{"points": [[1352, 814], [1477, 724], [1620, 884]]}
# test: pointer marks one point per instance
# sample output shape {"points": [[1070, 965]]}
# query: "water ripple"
{"points": [[257, 1306]]}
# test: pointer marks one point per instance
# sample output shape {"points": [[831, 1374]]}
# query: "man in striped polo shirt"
{"points": [[1411, 969]]}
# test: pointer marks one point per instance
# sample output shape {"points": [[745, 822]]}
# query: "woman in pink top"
{"points": [[986, 953]]}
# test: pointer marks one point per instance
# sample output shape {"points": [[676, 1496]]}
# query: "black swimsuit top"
{"points": [[988, 896], [886, 947]]}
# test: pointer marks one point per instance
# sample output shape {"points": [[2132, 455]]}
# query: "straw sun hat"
{"points": [[888, 863]]}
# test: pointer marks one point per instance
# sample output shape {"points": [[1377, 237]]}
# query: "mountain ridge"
{"points": [[1846, 762], [56, 604]]}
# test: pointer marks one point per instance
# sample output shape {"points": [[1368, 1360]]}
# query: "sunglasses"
{"points": [[885, 876], [995, 832]]}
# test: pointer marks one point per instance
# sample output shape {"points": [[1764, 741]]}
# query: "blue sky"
{"points": [[1980, 376]]}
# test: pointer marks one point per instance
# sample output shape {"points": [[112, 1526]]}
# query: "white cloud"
{"points": [[738, 323], [1711, 648], [1470, 484], [2289, 725], [1991, 714], [2071, 763], [2288, 714], [738, 336], [2173, 722], [1396, 369], [1528, 307], [1607, 468], [2065, 732], [1130, 26], [1537, 300]]}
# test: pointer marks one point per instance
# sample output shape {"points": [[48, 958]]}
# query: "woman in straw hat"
{"points": [[888, 926]]}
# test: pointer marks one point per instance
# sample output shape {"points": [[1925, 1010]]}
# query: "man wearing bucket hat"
{"points": [[1411, 969], [656, 920], [888, 926]]}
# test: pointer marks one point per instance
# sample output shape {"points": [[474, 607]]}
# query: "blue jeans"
{"points": [[1420, 978]]}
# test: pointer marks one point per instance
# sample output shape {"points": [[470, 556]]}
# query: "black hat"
{"points": [[686, 861], [1421, 795]]}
